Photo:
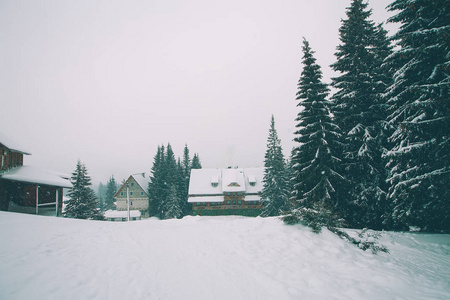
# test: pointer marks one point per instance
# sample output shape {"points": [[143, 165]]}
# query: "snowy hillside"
{"points": [[211, 258]]}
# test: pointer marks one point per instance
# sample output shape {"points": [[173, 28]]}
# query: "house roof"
{"points": [[12, 145], [203, 182], [141, 180], [37, 175]]}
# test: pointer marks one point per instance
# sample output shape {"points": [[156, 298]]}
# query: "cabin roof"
{"points": [[141, 180], [12, 145], [37, 175], [214, 182]]}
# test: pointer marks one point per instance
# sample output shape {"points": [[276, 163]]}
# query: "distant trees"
{"points": [[83, 201], [275, 193], [111, 190], [169, 182]]}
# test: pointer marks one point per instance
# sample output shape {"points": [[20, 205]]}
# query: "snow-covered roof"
{"points": [[12, 145], [212, 182], [142, 180], [37, 175], [122, 214], [206, 199]]}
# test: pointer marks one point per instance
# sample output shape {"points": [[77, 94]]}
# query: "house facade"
{"points": [[232, 191], [137, 189], [28, 189]]}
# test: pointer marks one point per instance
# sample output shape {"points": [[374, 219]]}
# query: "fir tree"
{"points": [[83, 201], [186, 165], [316, 166], [156, 187], [359, 111], [111, 189], [275, 192], [101, 196], [196, 162], [419, 161], [171, 206]]}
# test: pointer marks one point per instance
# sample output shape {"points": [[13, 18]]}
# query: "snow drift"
{"points": [[211, 258]]}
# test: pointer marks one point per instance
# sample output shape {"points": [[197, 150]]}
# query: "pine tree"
{"points": [[419, 161], [111, 189], [316, 166], [181, 188], [186, 165], [171, 206], [359, 111], [156, 190], [275, 193], [101, 196], [83, 201], [196, 162]]}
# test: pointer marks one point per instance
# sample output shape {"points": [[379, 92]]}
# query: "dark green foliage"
{"points": [[275, 193], [316, 217], [315, 161], [360, 112], [196, 162], [83, 201], [167, 174], [419, 161], [111, 190]]}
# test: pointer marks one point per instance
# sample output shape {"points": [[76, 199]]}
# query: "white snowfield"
{"points": [[211, 258]]}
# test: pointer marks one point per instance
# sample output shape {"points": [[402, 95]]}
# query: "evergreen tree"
{"points": [[83, 201], [196, 162], [419, 161], [101, 196], [171, 206], [111, 190], [181, 188], [275, 192], [156, 190], [360, 112], [316, 166], [186, 165]]}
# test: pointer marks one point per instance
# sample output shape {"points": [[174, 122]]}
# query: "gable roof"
{"points": [[37, 175], [12, 145], [141, 180], [248, 180]]}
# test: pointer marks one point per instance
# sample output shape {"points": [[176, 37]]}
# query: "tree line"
{"points": [[377, 153]]}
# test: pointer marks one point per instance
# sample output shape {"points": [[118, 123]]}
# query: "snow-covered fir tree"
{"points": [[111, 189], [156, 189], [419, 97], [186, 165], [275, 193], [171, 206], [360, 113], [316, 164], [196, 164], [83, 201]]}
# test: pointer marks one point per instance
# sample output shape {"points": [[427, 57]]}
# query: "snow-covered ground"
{"points": [[211, 258]]}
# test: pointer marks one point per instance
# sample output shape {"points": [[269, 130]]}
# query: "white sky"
{"points": [[108, 81]]}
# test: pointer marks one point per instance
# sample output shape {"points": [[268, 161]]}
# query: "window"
{"points": [[131, 193], [198, 204], [239, 202], [121, 193], [214, 184], [252, 183], [131, 202], [228, 202], [132, 184], [142, 193]]}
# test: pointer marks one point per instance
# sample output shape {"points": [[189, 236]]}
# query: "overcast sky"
{"points": [[106, 82]]}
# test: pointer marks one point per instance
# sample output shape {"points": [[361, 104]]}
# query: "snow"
{"points": [[142, 180], [12, 145], [122, 214], [37, 175], [211, 258], [201, 181]]}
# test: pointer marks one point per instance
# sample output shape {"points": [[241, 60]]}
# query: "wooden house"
{"points": [[232, 191], [25, 188], [137, 188]]}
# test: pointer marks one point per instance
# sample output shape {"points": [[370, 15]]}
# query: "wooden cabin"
{"points": [[232, 191], [28, 189], [137, 188]]}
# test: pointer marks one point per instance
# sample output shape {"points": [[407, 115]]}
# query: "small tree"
{"points": [[83, 201], [111, 189], [196, 162], [275, 192], [171, 206]]}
